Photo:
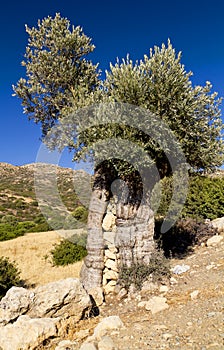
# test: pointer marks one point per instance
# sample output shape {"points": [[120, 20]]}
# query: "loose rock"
{"points": [[156, 304], [214, 240], [194, 294], [108, 323], [109, 287], [106, 343], [97, 294], [88, 346], [219, 224], [108, 222], [179, 269]]}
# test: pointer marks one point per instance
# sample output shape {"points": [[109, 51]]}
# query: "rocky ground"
{"points": [[191, 311], [193, 316], [192, 321]]}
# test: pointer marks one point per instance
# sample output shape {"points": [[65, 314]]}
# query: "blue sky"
{"points": [[117, 27]]}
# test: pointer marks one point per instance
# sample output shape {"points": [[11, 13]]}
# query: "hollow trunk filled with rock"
{"points": [[120, 232]]}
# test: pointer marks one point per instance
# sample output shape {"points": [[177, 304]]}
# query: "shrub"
{"points": [[14, 230], [80, 214], [67, 253], [70, 223], [79, 239], [9, 275], [180, 239], [25, 227], [9, 219], [20, 204], [41, 224], [56, 222], [205, 197], [8, 231], [157, 269], [42, 227]]}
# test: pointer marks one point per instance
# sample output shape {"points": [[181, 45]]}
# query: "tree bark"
{"points": [[91, 272], [134, 225]]}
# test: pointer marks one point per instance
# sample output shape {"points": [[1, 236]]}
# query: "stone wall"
{"points": [[111, 254]]}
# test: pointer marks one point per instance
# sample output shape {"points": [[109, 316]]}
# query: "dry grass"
{"points": [[29, 251]]}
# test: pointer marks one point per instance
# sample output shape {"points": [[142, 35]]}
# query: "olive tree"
{"points": [[160, 85], [61, 82]]}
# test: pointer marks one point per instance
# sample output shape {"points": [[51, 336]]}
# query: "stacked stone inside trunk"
{"points": [[111, 254]]}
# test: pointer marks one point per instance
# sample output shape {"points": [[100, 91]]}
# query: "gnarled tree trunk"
{"points": [[91, 272], [134, 236], [134, 225]]}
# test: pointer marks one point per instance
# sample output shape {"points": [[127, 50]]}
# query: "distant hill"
{"points": [[60, 191], [17, 189]]}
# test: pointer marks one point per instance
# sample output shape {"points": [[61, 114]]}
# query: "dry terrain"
{"points": [[189, 323], [30, 254]]}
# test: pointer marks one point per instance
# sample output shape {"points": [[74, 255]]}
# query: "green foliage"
{"points": [[9, 275], [160, 84], [205, 197], [26, 226], [56, 222], [70, 223], [8, 231], [42, 227], [60, 80], [67, 253], [57, 70], [10, 220], [79, 239], [15, 229], [20, 204], [77, 219], [157, 269], [41, 224], [80, 213]]}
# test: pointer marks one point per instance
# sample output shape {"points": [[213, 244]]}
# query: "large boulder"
{"points": [[30, 317], [64, 298], [27, 333], [16, 302]]}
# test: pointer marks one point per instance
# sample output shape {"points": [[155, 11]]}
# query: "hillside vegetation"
{"points": [[19, 210], [65, 194], [32, 256]]}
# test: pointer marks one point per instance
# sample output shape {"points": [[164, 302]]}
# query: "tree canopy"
{"points": [[160, 84], [57, 70], [60, 80]]}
